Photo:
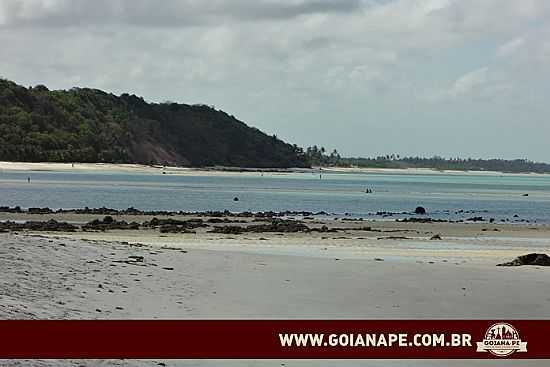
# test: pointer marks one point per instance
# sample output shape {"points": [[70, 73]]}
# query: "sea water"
{"points": [[454, 196]]}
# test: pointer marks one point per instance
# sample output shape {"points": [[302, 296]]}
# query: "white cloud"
{"points": [[296, 55], [469, 82], [478, 85], [510, 47], [165, 13]]}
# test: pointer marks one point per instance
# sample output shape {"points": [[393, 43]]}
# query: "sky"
{"points": [[466, 78]]}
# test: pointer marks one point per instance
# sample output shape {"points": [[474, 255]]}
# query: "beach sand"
{"points": [[221, 171], [86, 275]]}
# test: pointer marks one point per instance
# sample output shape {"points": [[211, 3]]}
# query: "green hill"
{"points": [[89, 125]]}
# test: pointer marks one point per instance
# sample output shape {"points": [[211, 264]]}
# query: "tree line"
{"points": [[318, 156]]}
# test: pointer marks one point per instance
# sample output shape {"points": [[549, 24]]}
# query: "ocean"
{"points": [[453, 196]]}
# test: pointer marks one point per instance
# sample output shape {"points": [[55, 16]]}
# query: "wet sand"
{"points": [[472, 243]]}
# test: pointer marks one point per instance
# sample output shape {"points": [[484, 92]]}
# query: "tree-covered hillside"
{"points": [[89, 125]]}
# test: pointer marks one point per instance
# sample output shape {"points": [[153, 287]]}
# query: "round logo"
{"points": [[501, 339]]}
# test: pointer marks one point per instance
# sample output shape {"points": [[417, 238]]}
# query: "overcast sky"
{"points": [[367, 77]]}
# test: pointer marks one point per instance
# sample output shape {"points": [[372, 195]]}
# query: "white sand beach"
{"points": [[133, 168], [217, 171], [91, 275], [64, 167]]}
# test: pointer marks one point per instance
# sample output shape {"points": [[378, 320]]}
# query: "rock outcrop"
{"points": [[420, 210], [529, 259]]}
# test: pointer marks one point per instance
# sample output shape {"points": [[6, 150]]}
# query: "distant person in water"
{"points": [[28, 179]]}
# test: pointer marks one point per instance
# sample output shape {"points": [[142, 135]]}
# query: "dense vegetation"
{"points": [[89, 125], [319, 157]]}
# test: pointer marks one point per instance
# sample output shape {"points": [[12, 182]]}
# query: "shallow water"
{"points": [[443, 195]]}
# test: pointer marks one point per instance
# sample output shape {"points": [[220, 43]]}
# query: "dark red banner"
{"points": [[274, 339]]}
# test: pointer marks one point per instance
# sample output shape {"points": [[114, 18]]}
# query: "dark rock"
{"points": [[475, 219], [7, 209], [174, 225], [224, 220], [229, 230], [39, 211], [133, 211], [280, 225], [421, 220], [95, 211], [50, 226], [436, 237], [276, 225], [420, 210], [235, 199], [107, 223], [529, 259]]}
